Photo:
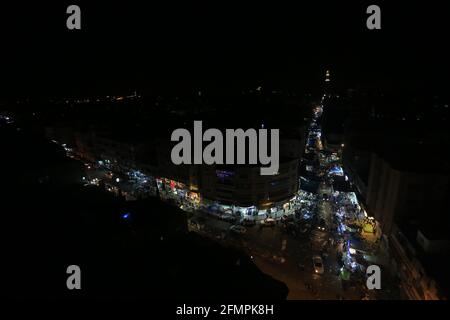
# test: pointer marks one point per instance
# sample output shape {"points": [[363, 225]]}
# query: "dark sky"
{"points": [[197, 44]]}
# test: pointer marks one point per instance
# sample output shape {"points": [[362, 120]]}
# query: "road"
{"points": [[265, 246]]}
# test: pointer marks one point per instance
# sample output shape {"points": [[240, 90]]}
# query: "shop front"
{"points": [[276, 210], [171, 189]]}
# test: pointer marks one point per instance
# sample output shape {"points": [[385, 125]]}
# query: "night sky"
{"points": [[196, 45]]}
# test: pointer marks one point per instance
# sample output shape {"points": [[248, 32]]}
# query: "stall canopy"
{"points": [[345, 274], [368, 227]]}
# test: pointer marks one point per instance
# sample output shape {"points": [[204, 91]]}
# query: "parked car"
{"points": [[238, 229], [227, 217], [186, 208], [318, 265], [278, 259], [269, 222], [196, 223], [248, 222], [228, 211]]}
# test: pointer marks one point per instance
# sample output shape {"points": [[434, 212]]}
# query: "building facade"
{"points": [[396, 193]]}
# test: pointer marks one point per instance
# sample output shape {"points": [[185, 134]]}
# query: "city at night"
{"points": [[224, 156]]}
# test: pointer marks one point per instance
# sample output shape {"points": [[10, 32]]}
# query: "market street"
{"points": [[325, 223]]}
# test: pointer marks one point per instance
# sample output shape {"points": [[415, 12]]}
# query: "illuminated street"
{"points": [[285, 249], [203, 155]]}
